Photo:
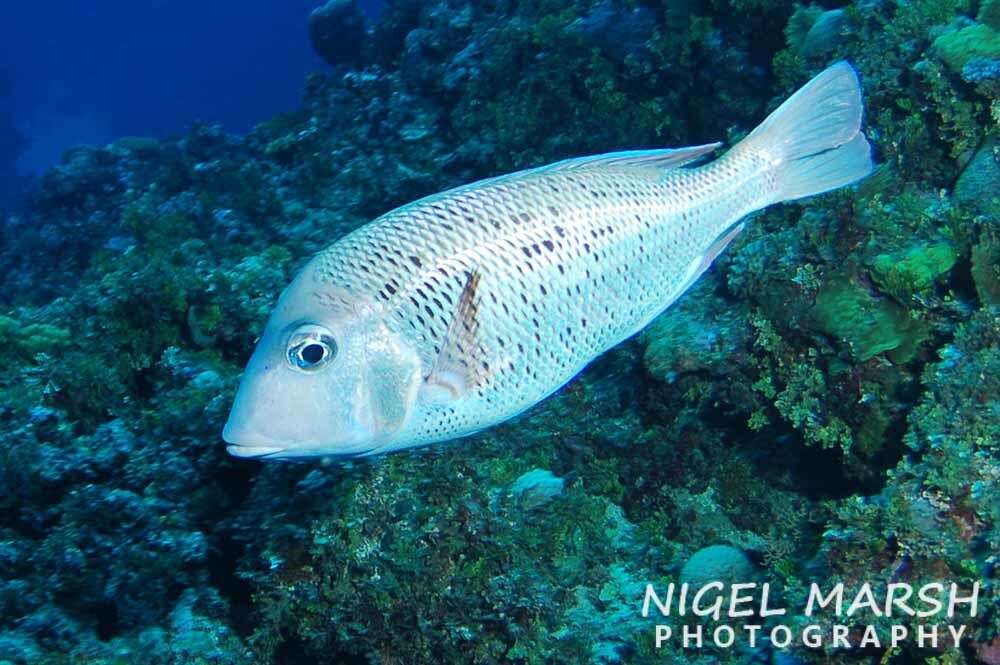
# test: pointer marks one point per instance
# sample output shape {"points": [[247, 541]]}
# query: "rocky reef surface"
{"points": [[823, 405]]}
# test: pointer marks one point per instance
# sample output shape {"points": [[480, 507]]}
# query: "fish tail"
{"points": [[814, 139]]}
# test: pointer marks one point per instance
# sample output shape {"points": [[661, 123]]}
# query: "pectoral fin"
{"points": [[461, 365]]}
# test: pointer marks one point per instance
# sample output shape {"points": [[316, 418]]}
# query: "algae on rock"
{"points": [[869, 325]]}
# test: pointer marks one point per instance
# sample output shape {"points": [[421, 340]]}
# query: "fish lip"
{"points": [[237, 450]]}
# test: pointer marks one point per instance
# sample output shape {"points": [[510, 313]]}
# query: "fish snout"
{"points": [[243, 442]]}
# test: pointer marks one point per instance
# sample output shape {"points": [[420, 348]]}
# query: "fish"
{"points": [[463, 309]]}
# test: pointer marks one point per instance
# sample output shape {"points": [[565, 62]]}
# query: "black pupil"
{"points": [[312, 353]]}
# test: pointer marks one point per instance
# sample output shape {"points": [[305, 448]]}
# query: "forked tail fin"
{"points": [[814, 138]]}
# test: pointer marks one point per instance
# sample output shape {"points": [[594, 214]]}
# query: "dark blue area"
{"points": [[88, 72]]}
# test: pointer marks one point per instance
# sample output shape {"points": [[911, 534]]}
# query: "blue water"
{"points": [[88, 72]]}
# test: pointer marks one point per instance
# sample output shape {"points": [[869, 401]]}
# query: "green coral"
{"points": [[915, 269], [25, 342], [989, 13], [958, 47], [868, 325], [801, 403]]}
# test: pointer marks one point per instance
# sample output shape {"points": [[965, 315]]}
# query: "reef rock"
{"points": [[618, 31], [337, 31], [699, 333], [977, 186], [812, 32], [824, 35]]}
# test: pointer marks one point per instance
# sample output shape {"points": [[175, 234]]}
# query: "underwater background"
{"points": [[821, 406]]}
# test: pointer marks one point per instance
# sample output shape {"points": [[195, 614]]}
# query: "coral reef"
{"points": [[337, 30], [823, 402], [716, 563], [958, 47]]}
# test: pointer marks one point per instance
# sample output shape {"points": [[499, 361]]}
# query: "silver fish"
{"points": [[463, 309]]}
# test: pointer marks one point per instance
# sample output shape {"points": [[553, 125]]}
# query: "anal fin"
{"points": [[720, 244], [700, 264]]}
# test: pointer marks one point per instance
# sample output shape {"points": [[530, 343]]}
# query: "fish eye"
{"points": [[311, 347]]}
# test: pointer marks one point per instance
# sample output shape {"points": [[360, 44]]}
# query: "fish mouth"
{"points": [[250, 443], [244, 442], [237, 450]]}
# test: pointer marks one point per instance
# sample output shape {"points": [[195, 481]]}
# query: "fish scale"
{"points": [[571, 261], [463, 309]]}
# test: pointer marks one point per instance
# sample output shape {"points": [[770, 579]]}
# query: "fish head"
{"points": [[326, 378]]}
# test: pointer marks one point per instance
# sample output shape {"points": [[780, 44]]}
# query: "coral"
{"points": [[985, 72], [989, 13], [916, 269], [536, 488], [700, 333], [976, 187], [985, 267], [337, 31], [615, 29], [24, 342], [716, 563], [868, 325], [577, 539], [799, 24], [956, 48], [812, 32]]}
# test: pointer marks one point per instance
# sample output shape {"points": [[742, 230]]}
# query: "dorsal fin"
{"points": [[650, 162], [461, 365], [664, 159]]}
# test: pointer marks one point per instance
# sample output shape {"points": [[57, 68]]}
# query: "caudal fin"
{"points": [[814, 139]]}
